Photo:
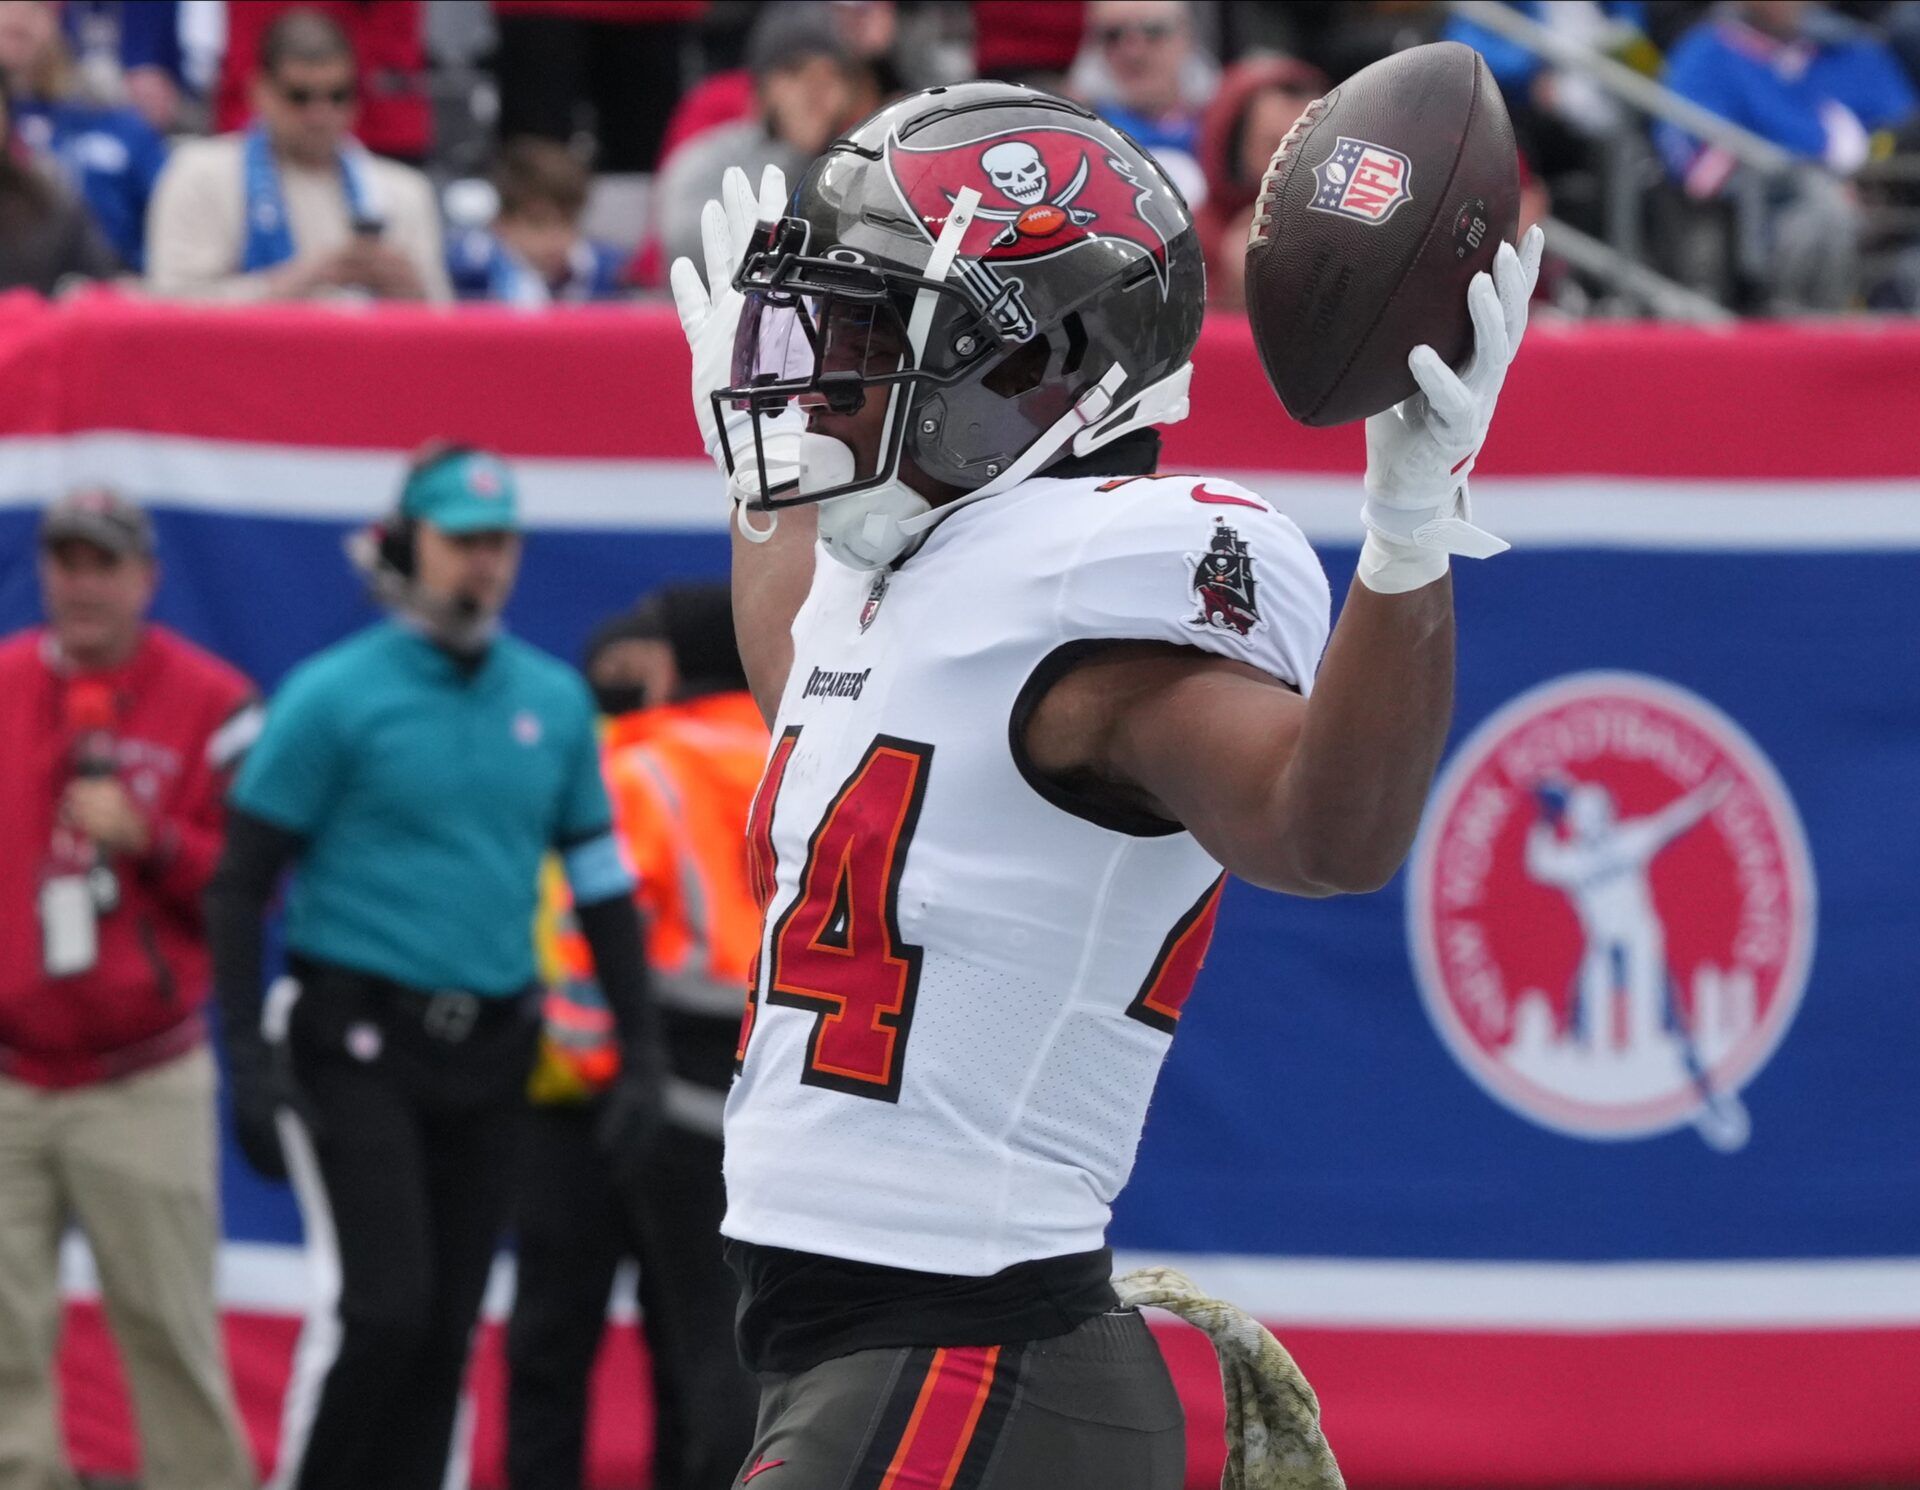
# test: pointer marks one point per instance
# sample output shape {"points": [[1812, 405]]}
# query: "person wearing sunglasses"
{"points": [[1147, 61], [295, 207]]}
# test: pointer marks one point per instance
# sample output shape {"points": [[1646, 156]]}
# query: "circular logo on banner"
{"points": [[1611, 909]]}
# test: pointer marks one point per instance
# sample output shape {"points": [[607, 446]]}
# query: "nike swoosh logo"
{"points": [[761, 1468], [1224, 498]]}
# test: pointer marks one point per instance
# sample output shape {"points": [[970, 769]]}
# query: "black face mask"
{"points": [[613, 699]]}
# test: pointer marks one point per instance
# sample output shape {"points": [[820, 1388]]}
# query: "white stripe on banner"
{"points": [[677, 495], [1342, 1293], [1636, 513], [306, 481], [1607, 1298]]}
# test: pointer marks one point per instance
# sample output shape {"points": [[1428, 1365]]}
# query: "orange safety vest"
{"points": [[681, 777]]}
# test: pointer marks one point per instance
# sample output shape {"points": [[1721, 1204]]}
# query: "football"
{"points": [[1041, 221], [1384, 200]]}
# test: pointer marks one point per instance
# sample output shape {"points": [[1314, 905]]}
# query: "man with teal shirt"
{"points": [[413, 776]]}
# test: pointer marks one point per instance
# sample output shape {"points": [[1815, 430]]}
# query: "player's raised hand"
{"points": [[1415, 449], [1420, 452], [710, 311]]}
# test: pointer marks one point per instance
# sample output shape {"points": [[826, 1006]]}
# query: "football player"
{"points": [[1031, 701]]}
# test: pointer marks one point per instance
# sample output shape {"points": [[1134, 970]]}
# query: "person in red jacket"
{"points": [[1254, 107], [115, 742]]}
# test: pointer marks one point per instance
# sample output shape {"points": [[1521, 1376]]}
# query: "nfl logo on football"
{"points": [[1611, 910], [1362, 180]]}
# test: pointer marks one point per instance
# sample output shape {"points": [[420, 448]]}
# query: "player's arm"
{"points": [[1544, 857], [770, 583], [1322, 795], [1317, 796], [772, 558], [1672, 821]]}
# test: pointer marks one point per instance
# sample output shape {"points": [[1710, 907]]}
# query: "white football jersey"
{"points": [[965, 987]]}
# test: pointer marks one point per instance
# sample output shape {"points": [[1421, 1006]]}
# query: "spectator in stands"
{"points": [[388, 37], [1819, 87], [1250, 115], [132, 47], [46, 237], [717, 100], [1614, 27], [110, 157], [868, 32], [117, 737], [534, 254], [1342, 36], [803, 90], [1015, 41], [619, 58], [1144, 75], [1559, 113], [295, 206], [682, 752]]}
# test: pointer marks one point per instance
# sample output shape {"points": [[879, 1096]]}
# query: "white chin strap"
{"points": [[863, 530]]}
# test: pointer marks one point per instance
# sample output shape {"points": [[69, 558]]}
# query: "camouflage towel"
{"points": [[1274, 1440]]}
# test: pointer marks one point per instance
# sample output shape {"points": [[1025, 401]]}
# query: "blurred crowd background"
{"points": [[1694, 161]]}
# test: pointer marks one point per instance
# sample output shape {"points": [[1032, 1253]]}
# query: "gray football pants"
{"points": [[1093, 1407]]}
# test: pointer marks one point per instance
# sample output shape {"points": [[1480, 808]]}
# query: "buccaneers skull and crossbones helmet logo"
{"points": [[1013, 276]]}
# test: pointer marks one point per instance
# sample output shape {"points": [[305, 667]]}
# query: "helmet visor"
{"points": [[815, 350], [826, 338], [840, 363]]}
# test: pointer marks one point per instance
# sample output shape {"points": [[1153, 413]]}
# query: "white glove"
{"points": [[710, 316], [1420, 451]]}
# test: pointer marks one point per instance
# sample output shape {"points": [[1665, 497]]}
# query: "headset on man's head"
{"points": [[396, 536]]}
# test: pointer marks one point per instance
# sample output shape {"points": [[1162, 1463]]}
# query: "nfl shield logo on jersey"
{"points": [[1362, 180], [876, 592], [1611, 910]]}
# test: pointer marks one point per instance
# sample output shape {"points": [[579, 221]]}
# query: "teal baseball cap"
{"points": [[463, 491]]}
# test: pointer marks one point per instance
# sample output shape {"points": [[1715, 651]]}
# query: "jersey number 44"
{"points": [[837, 949]]}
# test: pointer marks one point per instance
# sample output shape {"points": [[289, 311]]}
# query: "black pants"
{"points": [[1095, 1407], [403, 1164], [573, 1229], [630, 72]]}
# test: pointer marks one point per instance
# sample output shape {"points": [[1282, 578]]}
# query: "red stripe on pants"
{"points": [[944, 1418]]}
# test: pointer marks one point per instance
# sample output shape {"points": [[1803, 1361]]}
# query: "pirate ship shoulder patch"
{"points": [[1223, 585]]}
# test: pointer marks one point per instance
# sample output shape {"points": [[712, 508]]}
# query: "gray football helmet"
{"points": [[1016, 277]]}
